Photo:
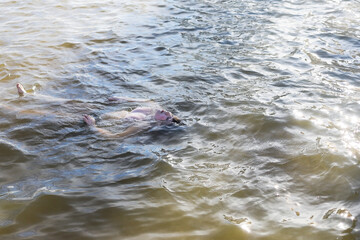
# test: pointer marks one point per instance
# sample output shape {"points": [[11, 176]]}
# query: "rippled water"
{"points": [[270, 96]]}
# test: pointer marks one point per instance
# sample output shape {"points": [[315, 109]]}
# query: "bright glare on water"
{"points": [[269, 95]]}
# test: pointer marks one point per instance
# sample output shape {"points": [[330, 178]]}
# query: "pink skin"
{"points": [[162, 115], [140, 114], [143, 110], [21, 89], [89, 120], [135, 116], [113, 99]]}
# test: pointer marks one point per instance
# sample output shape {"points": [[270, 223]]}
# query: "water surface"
{"points": [[269, 92]]}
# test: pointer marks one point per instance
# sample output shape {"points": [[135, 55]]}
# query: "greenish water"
{"points": [[269, 92]]}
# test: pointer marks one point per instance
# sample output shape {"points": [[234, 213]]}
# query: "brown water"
{"points": [[269, 92]]}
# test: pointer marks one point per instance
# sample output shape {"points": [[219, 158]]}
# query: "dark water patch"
{"points": [[36, 212], [106, 40], [266, 127], [167, 134], [10, 153], [159, 48], [116, 218], [139, 72], [159, 81], [28, 133], [163, 34], [69, 45], [246, 192], [187, 105], [42, 207], [194, 79]]}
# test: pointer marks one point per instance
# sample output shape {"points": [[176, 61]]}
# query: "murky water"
{"points": [[269, 92]]}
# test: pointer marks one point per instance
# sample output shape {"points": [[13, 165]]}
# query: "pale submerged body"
{"points": [[140, 113], [141, 117]]}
